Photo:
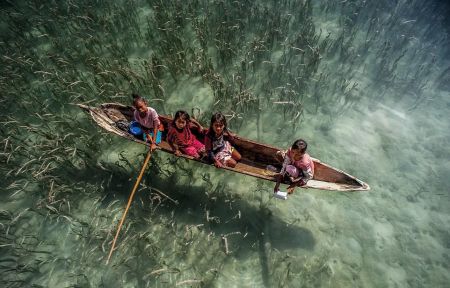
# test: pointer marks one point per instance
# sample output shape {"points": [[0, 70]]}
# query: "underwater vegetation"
{"points": [[271, 67]]}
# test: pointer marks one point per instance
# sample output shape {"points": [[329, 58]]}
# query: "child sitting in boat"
{"points": [[181, 138], [147, 117], [217, 142], [297, 165]]}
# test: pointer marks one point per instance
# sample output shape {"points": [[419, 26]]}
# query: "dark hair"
{"points": [[137, 98], [181, 114], [300, 144], [218, 117]]}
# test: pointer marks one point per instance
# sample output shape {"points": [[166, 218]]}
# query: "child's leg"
{"points": [[235, 155], [197, 149], [227, 156], [158, 136], [201, 149], [199, 146], [292, 171], [231, 163], [223, 157], [232, 155], [191, 151], [233, 159]]}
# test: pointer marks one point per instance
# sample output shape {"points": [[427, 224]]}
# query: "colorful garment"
{"points": [[182, 138], [194, 149], [149, 121], [185, 140], [225, 153], [303, 168], [158, 136], [218, 148]]}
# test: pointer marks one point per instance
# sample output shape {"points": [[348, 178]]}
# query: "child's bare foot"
{"points": [[231, 163], [290, 190]]}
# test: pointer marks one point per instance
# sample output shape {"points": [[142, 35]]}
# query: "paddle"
{"points": [[130, 199]]}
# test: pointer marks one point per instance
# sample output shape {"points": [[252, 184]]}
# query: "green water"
{"points": [[364, 82]]}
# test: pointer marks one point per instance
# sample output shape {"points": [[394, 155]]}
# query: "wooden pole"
{"points": [[130, 199]]}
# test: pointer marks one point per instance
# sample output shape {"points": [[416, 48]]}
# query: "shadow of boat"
{"points": [[250, 226]]}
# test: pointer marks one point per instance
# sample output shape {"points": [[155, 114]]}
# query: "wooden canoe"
{"points": [[255, 156]]}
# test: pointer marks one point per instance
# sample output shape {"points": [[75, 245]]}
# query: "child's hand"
{"points": [[230, 134], [199, 126], [218, 164], [177, 152]]}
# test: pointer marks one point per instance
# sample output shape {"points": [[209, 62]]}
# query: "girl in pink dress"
{"points": [[180, 136]]}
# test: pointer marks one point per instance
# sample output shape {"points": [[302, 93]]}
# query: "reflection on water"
{"points": [[366, 83]]}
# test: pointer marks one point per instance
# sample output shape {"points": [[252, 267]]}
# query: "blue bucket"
{"points": [[136, 129]]}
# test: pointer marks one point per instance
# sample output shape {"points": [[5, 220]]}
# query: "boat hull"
{"points": [[255, 156]]}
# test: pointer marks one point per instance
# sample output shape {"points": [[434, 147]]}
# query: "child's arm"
{"points": [[280, 176], [198, 125], [286, 161], [277, 185], [230, 135], [175, 148], [155, 118], [210, 153], [156, 124], [171, 138]]}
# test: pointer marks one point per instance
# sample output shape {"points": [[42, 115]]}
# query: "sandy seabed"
{"points": [[363, 83]]}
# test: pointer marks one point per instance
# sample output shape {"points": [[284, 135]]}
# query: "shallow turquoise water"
{"points": [[366, 84]]}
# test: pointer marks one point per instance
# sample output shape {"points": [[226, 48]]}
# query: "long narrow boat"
{"points": [[255, 156]]}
